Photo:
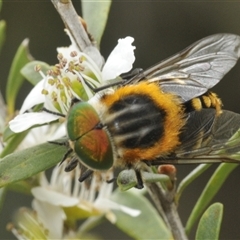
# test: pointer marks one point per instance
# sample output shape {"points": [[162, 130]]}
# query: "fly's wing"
{"points": [[193, 71], [209, 138]]}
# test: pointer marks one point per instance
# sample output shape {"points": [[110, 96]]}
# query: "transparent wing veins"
{"points": [[193, 71]]}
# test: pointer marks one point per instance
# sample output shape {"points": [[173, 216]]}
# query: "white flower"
{"points": [[42, 134], [120, 60], [63, 199], [68, 79], [27, 226]]}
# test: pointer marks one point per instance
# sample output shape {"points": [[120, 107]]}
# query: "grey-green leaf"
{"points": [[211, 189], [2, 197], [2, 33], [28, 71], [147, 225], [210, 223], [14, 140], [28, 162], [195, 173], [15, 79], [95, 13]]}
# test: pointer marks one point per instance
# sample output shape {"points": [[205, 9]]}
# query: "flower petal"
{"points": [[111, 217], [58, 133], [67, 50], [24, 121], [52, 217], [43, 134], [106, 204], [130, 211], [34, 97], [53, 197], [120, 60]]}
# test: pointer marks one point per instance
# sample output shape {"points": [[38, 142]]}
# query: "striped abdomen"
{"points": [[142, 121], [207, 100], [134, 121]]}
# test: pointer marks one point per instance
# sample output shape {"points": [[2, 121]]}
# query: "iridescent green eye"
{"points": [[91, 142]]}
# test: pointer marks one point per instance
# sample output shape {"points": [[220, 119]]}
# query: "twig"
{"points": [[76, 29], [168, 210]]}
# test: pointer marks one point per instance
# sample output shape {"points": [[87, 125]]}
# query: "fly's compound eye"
{"points": [[91, 142]]}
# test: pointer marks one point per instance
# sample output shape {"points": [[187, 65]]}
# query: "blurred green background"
{"points": [[160, 29]]}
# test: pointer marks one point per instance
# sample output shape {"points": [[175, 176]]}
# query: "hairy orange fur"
{"points": [[174, 121]]}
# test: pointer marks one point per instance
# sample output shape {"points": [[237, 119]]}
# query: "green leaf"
{"points": [[210, 223], [3, 114], [26, 163], [24, 186], [16, 139], [148, 225], [28, 71], [211, 189], [15, 79], [2, 197], [231, 148], [2, 33], [190, 178], [7, 134], [95, 13], [0, 5]]}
